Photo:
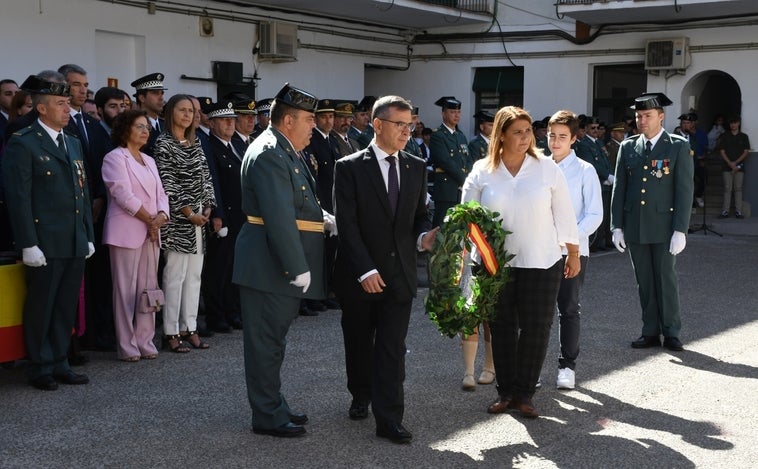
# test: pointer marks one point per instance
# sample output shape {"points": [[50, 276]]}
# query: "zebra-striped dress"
{"points": [[187, 181]]}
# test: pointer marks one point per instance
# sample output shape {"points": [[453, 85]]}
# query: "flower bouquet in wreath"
{"points": [[462, 294]]}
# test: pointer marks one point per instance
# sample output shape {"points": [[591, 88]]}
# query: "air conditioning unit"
{"points": [[667, 54], [278, 41]]}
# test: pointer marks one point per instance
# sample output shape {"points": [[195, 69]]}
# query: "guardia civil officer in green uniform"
{"points": [[650, 212], [479, 145], [279, 256], [448, 153], [49, 207], [367, 132], [412, 146]]}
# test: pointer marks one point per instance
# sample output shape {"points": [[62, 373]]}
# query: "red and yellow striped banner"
{"points": [[12, 295], [483, 246]]}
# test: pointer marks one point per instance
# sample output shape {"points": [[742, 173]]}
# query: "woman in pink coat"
{"points": [[137, 207]]}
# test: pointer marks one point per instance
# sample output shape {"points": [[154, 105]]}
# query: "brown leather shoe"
{"points": [[526, 408], [501, 405]]}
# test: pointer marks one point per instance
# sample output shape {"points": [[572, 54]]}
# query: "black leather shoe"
{"points": [[331, 303], [298, 419], [45, 383], [222, 328], [673, 344], [70, 377], [315, 305], [305, 311], [358, 410], [394, 432], [647, 341], [288, 430]]}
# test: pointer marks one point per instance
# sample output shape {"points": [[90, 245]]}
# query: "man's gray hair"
{"points": [[47, 75], [383, 105], [71, 68]]}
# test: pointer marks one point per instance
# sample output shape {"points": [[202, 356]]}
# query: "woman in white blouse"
{"points": [[531, 195]]}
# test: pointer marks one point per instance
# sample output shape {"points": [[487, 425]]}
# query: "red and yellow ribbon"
{"points": [[485, 250]]}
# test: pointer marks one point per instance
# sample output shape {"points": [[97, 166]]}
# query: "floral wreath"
{"points": [[450, 310]]}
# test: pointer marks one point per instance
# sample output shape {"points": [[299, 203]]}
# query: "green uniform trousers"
{"points": [[654, 269]]}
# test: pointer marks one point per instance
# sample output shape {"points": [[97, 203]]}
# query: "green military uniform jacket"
{"points": [[413, 148], [47, 194], [478, 148], [366, 136], [451, 160], [590, 151], [647, 207], [277, 187]]}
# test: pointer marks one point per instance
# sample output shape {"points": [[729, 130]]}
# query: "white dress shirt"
{"points": [[534, 205], [584, 189]]}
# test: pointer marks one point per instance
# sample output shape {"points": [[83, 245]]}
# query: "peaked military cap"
{"points": [[154, 81], [263, 106], [366, 104], [36, 85], [296, 98], [448, 102], [325, 105], [223, 108], [245, 106], [618, 127], [345, 108], [205, 102], [484, 116], [651, 101], [689, 116]]}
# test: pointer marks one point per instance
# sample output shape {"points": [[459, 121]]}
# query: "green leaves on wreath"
{"points": [[450, 311]]}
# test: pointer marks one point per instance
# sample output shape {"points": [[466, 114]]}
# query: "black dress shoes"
{"points": [[394, 432], [306, 311], [315, 305], [45, 383], [298, 419], [332, 303], [673, 344], [70, 377], [647, 341], [358, 410], [221, 327], [288, 430]]}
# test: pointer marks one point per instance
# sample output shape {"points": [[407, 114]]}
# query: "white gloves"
{"points": [[330, 224], [302, 280], [678, 242], [222, 232], [610, 179], [90, 250], [618, 239], [33, 257]]}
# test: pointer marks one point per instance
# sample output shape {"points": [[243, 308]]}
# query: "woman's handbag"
{"points": [[151, 300]]}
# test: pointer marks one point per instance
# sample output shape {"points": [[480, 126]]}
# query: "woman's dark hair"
{"points": [[18, 101], [122, 126], [168, 115]]}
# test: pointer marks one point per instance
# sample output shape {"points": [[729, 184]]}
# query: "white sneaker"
{"points": [[565, 379]]}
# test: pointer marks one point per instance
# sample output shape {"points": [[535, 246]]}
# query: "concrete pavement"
{"points": [[631, 408]]}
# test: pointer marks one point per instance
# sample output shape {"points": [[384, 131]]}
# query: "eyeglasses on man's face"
{"points": [[401, 126]]}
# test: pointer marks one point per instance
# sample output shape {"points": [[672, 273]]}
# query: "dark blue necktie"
{"points": [[648, 148], [393, 188], [82, 130]]}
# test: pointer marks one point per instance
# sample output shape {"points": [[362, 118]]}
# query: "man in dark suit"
{"points": [[650, 211], [448, 148], [100, 332], [367, 131], [221, 297], [279, 255], [8, 89], [380, 204], [149, 96], [48, 201]]}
